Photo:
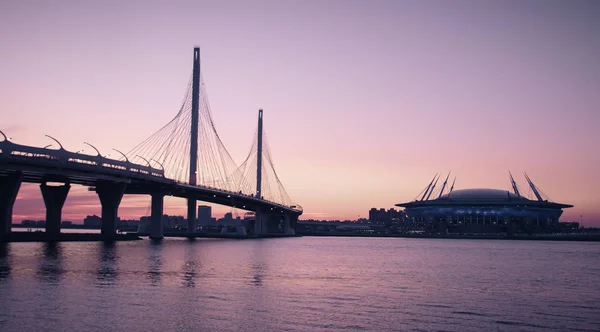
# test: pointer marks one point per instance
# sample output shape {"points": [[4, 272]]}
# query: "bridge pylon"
{"points": [[9, 188], [259, 154], [192, 205]]}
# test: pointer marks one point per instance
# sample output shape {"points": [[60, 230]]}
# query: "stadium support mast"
{"points": [[534, 188], [428, 186], [452, 187], [433, 187], [514, 184], [444, 185]]}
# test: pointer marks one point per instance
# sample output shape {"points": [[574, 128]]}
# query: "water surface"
{"points": [[301, 284]]}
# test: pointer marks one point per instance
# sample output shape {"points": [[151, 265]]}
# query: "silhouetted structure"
{"points": [[204, 214], [185, 158], [483, 210]]}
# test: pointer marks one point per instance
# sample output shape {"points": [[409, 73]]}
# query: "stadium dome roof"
{"points": [[481, 195]]}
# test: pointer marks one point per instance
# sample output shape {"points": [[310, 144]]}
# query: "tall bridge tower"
{"points": [[191, 211], [259, 154]]}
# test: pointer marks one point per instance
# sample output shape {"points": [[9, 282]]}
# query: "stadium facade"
{"points": [[483, 210]]}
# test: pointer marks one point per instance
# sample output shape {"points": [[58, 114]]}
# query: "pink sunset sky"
{"points": [[364, 100]]}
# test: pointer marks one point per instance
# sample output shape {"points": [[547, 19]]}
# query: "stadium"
{"points": [[483, 210]]}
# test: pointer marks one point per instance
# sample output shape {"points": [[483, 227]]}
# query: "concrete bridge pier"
{"points": [[54, 199], [191, 216], [288, 228], [156, 220], [110, 195], [9, 188], [260, 223]]}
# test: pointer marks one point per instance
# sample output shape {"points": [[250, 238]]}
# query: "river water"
{"points": [[301, 284]]}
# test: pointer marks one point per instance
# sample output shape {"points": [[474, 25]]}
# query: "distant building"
{"points": [[373, 214], [382, 216], [29, 222], [92, 221], [168, 222], [204, 215]]}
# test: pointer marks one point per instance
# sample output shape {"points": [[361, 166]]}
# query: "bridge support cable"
{"points": [[54, 199], [283, 197], [9, 189], [110, 195], [170, 146], [266, 179]]}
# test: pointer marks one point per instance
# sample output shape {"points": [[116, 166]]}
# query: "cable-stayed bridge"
{"points": [[185, 158]]}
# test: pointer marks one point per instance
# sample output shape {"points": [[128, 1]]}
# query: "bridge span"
{"points": [[188, 145]]}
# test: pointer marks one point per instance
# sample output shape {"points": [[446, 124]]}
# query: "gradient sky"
{"points": [[364, 100]]}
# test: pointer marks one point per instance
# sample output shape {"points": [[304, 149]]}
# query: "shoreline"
{"points": [[133, 236], [534, 237], [65, 237]]}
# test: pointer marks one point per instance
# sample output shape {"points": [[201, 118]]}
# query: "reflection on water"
{"points": [[107, 263], [258, 267], [300, 284], [4, 261], [154, 262], [258, 272], [189, 266], [50, 263]]}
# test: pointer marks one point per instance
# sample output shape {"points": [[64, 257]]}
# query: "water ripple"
{"points": [[304, 284]]}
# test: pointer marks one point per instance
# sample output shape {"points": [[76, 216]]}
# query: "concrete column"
{"points": [[110, 195], [257, 220], [156, 220], [191, 215], [54, 198], [260, 224], [287, 225], [9, 188], [294, 222]]}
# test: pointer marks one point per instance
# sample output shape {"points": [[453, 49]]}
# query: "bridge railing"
{"points": [[10, 150], [296, 208], [13, 151]]}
